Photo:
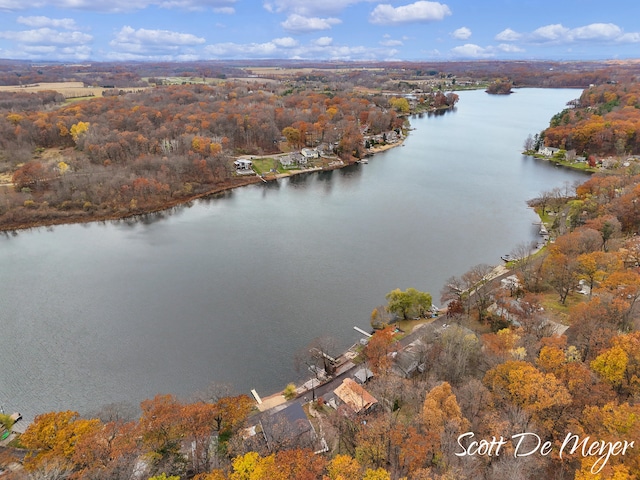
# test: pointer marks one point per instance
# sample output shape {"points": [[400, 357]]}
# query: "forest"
{"points": [[605, 121], [552, 350], [124, 154]]}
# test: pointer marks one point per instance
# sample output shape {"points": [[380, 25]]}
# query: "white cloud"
{"points": [[508, 35], [508, 48], [247, 50], [550, 33], [633, 37], [597, 31], [389, 42], [142, 36], [50, 52], [118, 5], [299, 24], [420, 11], [462, 33], [285, 42], [323, 41], [39, 22], [47, 36], [309, 7], [153, 44], [225, 10], [558, 34], [470, 50], [321, 48]]}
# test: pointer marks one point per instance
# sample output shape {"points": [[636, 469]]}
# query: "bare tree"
{"points": [[477, 284]]}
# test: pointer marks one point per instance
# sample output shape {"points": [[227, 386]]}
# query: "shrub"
{"points": [[289, 391]]}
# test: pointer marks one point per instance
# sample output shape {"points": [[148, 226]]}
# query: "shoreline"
{"points": [[231, 184]]}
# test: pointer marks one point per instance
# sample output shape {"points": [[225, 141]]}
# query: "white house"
{"points": [[243, 166], [310, 153], [548, 151]]}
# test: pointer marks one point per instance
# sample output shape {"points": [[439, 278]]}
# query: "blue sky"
{"points": [[181, 30]]}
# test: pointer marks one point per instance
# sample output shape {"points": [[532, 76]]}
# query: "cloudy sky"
{"points": [[107, 30]]}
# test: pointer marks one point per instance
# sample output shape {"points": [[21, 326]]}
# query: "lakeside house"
{"points": [[288, 428], [410, 360], [292, 159], [355, 396], [548, 151], [243, 166], [363, 375], [310, 153]]}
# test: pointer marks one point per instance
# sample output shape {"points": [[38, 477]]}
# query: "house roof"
{"points": [[288, 425], [409, 359], [362, 375], [355, 395]]}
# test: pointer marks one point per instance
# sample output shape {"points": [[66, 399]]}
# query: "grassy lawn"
{"points": [[557, 311], [264, 165]]}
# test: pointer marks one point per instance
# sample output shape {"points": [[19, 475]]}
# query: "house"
{"points": [[310, 153], [288, 428], [292, 159], [286, 161], [243, 166], [410, 360], [548, 151], [355, 396], [363, 375]]}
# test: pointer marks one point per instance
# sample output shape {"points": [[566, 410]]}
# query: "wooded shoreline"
{"points": [[230, 184]]}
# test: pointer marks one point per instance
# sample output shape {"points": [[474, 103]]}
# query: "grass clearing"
{"points": [[264, 165], [556, 310]]}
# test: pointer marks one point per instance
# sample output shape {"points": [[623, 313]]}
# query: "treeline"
{"points": [[369, 74], [137, 152], [605, 121]]}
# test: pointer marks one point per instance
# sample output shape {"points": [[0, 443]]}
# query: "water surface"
{"points": [[228, 289]]}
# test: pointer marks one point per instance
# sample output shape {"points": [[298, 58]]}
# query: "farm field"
{"points": [[68, 89]]}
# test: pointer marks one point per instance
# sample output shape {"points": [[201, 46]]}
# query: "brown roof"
{"points": [[355, 395]]}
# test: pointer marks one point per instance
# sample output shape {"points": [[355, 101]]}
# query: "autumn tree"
{"points": [[521, 384], [30, 175], [377, 350], [52, 437], [161, 430], [293, 136]]}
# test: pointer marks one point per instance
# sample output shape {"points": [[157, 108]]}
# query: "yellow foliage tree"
{"points": [[611, 365], [53, 437], [441, 406], [78, 130], [343, 467], [400, 104], [520, 383], [378, 474]]}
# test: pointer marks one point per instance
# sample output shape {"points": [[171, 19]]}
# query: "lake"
{"points": [[227, 289]]}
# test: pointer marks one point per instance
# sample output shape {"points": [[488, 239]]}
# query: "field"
{"points": [[68, 89]]}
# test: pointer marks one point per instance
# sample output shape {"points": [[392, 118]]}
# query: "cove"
{"points": [[228, 288]]}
